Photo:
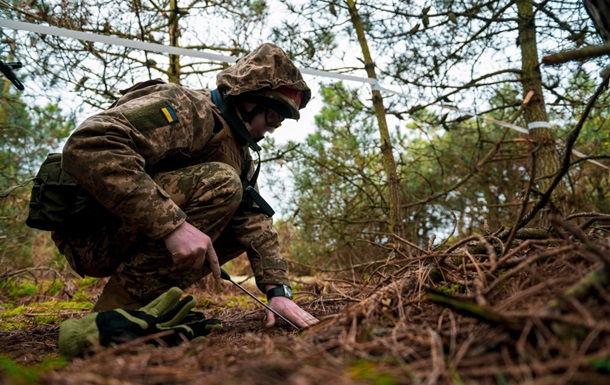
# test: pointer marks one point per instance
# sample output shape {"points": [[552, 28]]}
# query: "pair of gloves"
{"points": [[167, 312]]}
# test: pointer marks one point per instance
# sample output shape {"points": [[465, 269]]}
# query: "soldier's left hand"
{"points": [[291, 311]]}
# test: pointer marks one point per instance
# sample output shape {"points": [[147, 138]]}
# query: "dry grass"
{"points": [[503, 315]]}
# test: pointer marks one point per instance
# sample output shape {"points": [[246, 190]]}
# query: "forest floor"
{"points": [[528, 308]]}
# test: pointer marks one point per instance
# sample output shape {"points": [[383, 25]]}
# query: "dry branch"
{"points": [[472, 309], [577, 54], [583, 289]]}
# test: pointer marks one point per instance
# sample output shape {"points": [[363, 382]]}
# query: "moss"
{"points": [[38, 314], [83, 296], [240, 301], [19, 310], [22, 289], [6, 305], [449, 289], [371, 372], [86, 282], [55, 287], [16, 374], [205, 302]]}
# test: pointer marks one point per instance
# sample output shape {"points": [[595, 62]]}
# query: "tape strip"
{"points": [[114, 40], [375, 85], [532, 125]]}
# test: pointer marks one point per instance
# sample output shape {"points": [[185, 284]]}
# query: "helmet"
{"points": [[266, 76]]}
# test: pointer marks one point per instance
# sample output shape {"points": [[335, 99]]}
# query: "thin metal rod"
{"points": [[264, 304]]}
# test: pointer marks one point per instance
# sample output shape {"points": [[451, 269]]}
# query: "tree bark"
{"points": [[395, 219], [547, 158], [173, 73]]}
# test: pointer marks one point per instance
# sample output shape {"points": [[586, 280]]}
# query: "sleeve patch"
{"points": [[151, 116], [169, 113]]}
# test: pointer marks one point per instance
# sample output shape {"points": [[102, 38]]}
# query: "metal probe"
{"points": [[224, 275]]}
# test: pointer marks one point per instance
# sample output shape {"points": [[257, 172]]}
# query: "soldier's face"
{"points": [[265, 122]]}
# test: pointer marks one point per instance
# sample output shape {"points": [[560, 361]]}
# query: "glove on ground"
{"points": [[117, 326]]}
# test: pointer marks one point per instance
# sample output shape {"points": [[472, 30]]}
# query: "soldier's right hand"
{"points": [[191, 248]]}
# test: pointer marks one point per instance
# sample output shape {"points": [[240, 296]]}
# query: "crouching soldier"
{"points": [[173, 171]]}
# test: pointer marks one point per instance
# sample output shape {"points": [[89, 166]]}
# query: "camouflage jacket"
{"points": [[161, 126]]}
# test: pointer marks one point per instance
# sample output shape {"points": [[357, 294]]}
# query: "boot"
{"points": [[114, 296]]}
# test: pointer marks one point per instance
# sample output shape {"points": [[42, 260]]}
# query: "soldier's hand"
{"points": [[190, 247], [291, 311]]}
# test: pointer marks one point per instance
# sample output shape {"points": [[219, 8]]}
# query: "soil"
{"points": [[487, 310]]}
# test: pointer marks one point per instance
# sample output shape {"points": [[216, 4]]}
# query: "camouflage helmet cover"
{"points": [[265, 69]]}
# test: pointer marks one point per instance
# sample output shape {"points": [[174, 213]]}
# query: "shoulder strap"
{"points": [[229, 113]]}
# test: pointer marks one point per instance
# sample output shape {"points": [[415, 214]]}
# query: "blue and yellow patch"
{"points": [[169, 113], [151, 116]]}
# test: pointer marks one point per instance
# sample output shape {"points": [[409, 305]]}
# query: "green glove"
{"points": [[119, 325]]}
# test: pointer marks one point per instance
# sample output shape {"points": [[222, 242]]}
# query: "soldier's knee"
{"points": [[227, 184]]}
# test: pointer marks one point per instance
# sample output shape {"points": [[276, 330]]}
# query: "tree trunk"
{"points": [[395, 219], [547, 159], [173, 73]]}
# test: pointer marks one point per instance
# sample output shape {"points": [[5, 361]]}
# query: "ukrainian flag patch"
{"points": [[151, 116], [169, 113]]}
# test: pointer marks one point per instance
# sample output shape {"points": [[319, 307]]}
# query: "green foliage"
{"points": [[340, 192], [474, 169], [590, 183], [338, 185], [454, 171], [27, 133], [447, 170]]}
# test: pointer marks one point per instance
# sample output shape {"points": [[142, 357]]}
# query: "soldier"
{"points": [[173, 170]]}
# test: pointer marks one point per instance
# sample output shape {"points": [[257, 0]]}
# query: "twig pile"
{"points": [[536, 313], [493, 309]]}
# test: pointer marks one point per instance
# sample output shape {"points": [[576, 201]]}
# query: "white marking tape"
{"points": [[114, 40], [532, 125]]}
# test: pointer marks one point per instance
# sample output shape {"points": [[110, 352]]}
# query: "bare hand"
{"points": [[291, 311], [191, 248]]}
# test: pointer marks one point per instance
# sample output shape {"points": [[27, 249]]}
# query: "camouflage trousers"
{"points": [[141, 268]]}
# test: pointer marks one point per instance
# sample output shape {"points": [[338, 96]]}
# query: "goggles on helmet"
{"points": [[273, 118], [286, 101]]}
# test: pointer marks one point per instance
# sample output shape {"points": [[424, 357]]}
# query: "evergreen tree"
{"points": [[28, 132]]}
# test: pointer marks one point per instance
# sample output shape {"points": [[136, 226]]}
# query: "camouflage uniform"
{"points": [[164, 154]]}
